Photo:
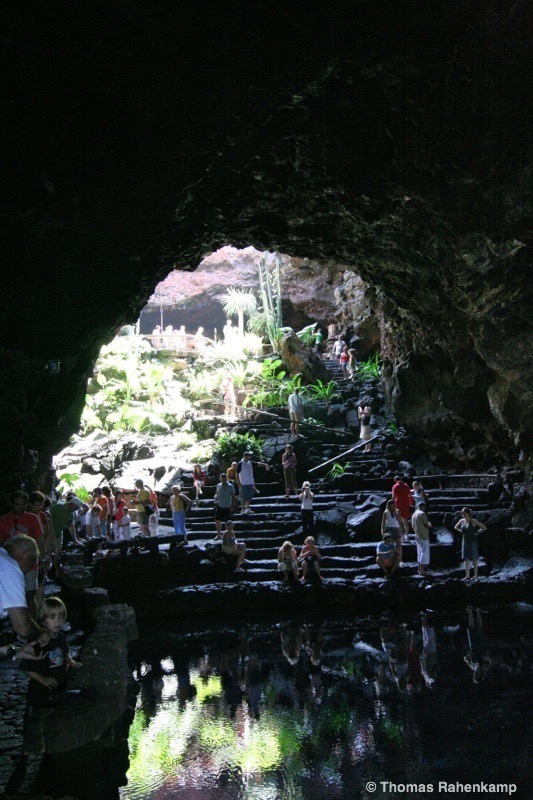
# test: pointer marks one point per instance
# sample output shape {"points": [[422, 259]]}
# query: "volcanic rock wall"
{"points": [[386, 138]]}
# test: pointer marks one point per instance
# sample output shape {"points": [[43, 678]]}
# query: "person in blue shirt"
{"points": [[386, 555]]}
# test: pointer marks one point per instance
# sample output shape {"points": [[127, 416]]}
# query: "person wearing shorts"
{"points": [[387, 555], [223, 498], [245, 477]]}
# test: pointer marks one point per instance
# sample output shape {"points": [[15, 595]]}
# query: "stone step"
{"points": [[408, 569]]}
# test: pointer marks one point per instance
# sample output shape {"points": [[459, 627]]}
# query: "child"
{"points": [[179, 503], [310, 556], [198, 481], [308, 519], [95, 522], [124, 527], [48, 677], [287, 561]]}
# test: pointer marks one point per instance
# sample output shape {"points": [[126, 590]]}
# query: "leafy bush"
{"points": [[231, 446], [370, 368], [323, 392]]}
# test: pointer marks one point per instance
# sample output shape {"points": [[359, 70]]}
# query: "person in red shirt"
{"points": [[18, 520], [100, 499], [401, 494]]}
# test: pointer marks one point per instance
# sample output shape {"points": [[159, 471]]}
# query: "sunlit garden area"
{"points": [[161, 399]]}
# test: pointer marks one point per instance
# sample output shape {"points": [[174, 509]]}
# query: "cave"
{"points": [[388, 141]]}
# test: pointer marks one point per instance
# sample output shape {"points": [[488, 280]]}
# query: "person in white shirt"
{"points": [[421, 527], [296, 411], [17, 557], [245, 479]]}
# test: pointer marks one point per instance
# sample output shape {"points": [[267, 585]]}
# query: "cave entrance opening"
{"points": [[156, 382]]}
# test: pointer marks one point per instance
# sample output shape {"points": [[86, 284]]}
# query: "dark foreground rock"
{"points": [[337, 596]]}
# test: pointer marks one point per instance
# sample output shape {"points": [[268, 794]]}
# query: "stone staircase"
{"points": [[348, 555]]}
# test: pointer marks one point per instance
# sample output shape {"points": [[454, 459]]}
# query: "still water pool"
{"points": [[319, 711]]}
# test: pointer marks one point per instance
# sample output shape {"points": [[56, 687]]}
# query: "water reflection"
{"points": [[314, 711]]}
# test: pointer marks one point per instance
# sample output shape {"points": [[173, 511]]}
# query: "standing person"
{"points": [[401, 494], [153, 519], [337, 348], [391, 523], [245, 478], [319, 338], [296, 411], [365, 417], [110, 511], [17, 557], [421, 527], [308, 519], [470, 529], [233, 548], [387, 557], [198, 481], [124, 527], [289, 462], [36, 503], [18, 520], [179, 503], [230, 398], [231, 472], [100, 499], [418, 494], [343, 361], [352, 364], [223, 499], [143, 506], [120, 510]]}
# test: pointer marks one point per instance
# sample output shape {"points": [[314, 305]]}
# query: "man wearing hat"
{"points": [[386, 555]]}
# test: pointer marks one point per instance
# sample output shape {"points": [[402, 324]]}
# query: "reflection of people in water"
{"points": [[229, 677], [475, 658], [186, 690], [253, 684], [414, 670], [429, 660], [395, 645], [151, 688]]}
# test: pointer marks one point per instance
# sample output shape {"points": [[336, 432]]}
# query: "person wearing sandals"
{"points": [[470, 529]]}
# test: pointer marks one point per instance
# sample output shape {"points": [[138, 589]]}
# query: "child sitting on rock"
{"points": [[48, 677], [288, 561], [310, 556]]}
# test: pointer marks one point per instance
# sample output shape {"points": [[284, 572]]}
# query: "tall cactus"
{"points": [[270, 290]]}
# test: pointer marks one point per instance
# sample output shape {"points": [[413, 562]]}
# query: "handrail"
{"points": [[222, 402], [346, 453]]}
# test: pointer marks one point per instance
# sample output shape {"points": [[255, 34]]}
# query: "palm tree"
{"points": [[239, 302]]}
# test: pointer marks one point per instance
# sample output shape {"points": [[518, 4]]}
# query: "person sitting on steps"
{"points": [[233, 548], [387, 556], [310, 556], [288, 561]]}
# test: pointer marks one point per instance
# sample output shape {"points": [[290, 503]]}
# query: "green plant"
{"points": [[70, 480], [323, 392], [307, 334], [270, 293], [231, 446], [336, 471], [370, 368]]}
